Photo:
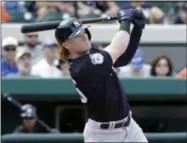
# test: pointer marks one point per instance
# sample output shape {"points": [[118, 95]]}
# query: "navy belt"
{"points": [[117, 125]]}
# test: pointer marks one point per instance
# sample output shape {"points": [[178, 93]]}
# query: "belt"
{"points": [[116, 125]]}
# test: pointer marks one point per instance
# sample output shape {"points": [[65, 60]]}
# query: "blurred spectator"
{"points": [[23, 60], [162, 66], [29, 121], [182, 73], [4, 14], [88, 9], [114, 6], [102, 6], [63, 67], [153, 13], [68, 6], [31, 41], [30, 6], [182, 16], [13, 7], [46, 67], [31, 9], [52, 11], [137, 67], [16, 11], [8, 64], [156, 16]]}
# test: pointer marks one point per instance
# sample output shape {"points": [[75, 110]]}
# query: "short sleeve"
{"points": [[98, 63]]}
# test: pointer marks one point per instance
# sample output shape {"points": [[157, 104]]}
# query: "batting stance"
{"points": [[94, 77]]}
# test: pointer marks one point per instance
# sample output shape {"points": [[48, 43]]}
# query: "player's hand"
{"points": [[124, 15], [139, 19]]}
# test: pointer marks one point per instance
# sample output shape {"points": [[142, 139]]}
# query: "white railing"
{"points": [[105, 32]]}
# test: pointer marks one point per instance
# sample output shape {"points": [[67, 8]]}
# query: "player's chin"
{"points": [[87, 46]]}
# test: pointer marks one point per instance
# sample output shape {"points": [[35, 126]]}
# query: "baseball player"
{"points": [[92, 72], [29, 122]]}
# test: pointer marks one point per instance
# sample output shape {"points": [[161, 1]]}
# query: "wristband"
{"points": [[125, 26]]}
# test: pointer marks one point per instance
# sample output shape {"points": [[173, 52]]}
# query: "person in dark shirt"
{"points": [[92, 72], [30, 123], [181, 18]]}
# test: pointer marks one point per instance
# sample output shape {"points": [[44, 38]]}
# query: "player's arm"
{"points": [[139, 24], [101, 62], [127, 56], [121, 40]]}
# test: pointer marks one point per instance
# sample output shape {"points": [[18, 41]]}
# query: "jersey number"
{"points": [[83, 97]]}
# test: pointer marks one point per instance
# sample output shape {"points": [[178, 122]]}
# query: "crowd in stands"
{"points": [[35, 58], [42, 60], [37, 11]]}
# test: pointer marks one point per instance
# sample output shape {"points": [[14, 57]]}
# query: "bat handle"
{"points": [[113, 18], [44, 125], [10, 99]]}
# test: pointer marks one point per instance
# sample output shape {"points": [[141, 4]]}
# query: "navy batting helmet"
{"points": [[28, 111], [70, 28]]}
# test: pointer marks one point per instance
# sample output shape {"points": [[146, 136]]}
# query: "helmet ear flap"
{"points": [[88, 33]]}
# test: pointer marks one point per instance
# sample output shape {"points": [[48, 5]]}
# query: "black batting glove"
{"points": [[139, 19]]}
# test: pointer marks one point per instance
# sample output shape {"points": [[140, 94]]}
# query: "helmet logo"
{"points": [[76, 23]]}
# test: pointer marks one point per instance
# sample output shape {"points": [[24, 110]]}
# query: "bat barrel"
{"points": [[43, 26]]}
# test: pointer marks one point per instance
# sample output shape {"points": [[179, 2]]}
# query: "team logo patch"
{"points": [[96, 58]]}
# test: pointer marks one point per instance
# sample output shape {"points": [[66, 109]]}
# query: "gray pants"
{"points": [[132, 133]]}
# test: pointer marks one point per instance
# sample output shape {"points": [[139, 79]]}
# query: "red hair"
{"points": [[64, 54]]}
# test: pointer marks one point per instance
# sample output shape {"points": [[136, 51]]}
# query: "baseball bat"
{"points": [[19, 106], [43, 26]]}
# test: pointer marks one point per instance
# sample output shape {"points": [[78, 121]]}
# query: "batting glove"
{"points": [[139, 19]]}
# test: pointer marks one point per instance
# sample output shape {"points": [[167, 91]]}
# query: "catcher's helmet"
{"points": [[70, 28]]}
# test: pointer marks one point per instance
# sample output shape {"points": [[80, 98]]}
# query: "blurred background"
{"points": [[155, 80]]}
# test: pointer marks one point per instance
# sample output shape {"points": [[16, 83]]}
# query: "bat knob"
{"points": [[5, 95]]}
